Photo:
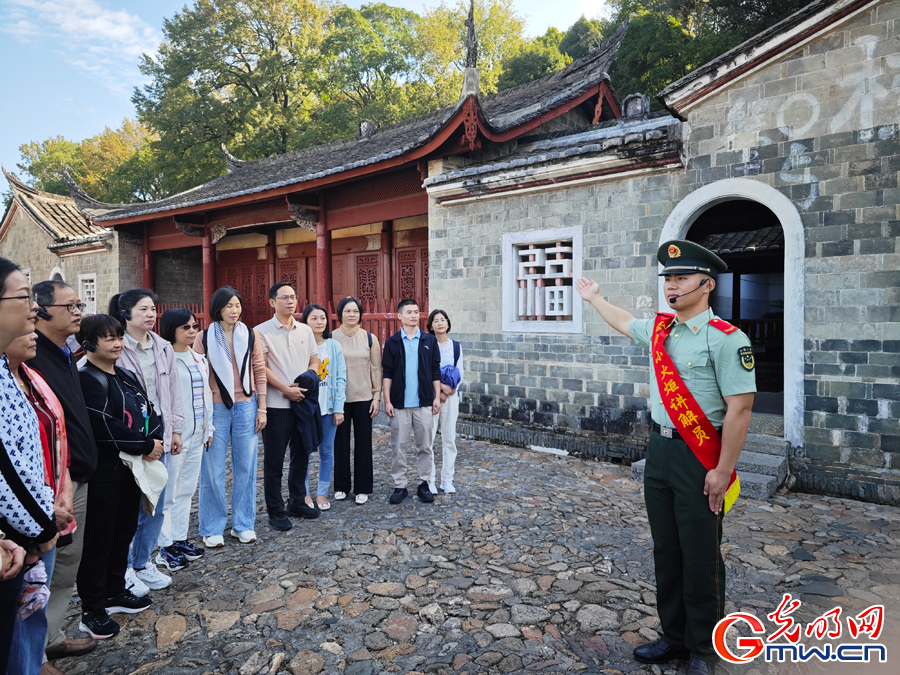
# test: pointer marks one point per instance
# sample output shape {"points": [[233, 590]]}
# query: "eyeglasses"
{"points": [[190, 326], [72, 306], [29, 298], [285, 297]]}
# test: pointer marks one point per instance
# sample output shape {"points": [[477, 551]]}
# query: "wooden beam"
{"points": [[394, 209], [209, 272], [323, 258]]}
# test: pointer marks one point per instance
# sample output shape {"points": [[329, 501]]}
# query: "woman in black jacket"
{"points": [[26, 501], [123, 421]]}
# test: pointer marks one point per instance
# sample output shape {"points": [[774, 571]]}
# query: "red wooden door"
{"points": [[250, 279], [411, 273]]}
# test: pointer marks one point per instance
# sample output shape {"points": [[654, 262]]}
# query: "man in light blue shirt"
{"points": [[411, 369]]}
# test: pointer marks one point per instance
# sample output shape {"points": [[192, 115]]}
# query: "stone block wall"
{"points": [[593, 386], [821, 127], [179, 275]]}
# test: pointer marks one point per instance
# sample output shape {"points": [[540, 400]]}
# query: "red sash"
{"points": [[688, 418]]}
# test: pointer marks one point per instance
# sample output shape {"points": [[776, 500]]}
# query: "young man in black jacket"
{"points": [[411, 387], [55, 362]]}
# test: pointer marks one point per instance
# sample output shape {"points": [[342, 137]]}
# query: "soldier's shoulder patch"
{"points": [[746, 356], [723, 326]]}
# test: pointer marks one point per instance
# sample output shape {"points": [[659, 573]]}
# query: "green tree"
{"points": [[442, 36], [534, 60], [240, 72], [101, 164], [582, 37]]}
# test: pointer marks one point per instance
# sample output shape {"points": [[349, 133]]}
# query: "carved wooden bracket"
{"points": [[470, 122], [305, 215], [189, 230], [216, 233]]}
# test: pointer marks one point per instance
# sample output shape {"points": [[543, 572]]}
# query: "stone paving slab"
{"points": [[539, 564]]}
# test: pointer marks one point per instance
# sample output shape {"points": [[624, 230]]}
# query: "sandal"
{"points": [[323, 507]]}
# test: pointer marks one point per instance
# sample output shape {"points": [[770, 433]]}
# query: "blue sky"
{"points": [[69, 66]]}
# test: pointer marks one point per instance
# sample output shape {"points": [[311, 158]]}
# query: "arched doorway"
{"points": [[691, 210], [750, 295]]}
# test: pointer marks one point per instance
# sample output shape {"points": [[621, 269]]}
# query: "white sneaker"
{"points": [[215, 541], [338, 496], [432, 488], [448, 487], [135, 585], [362, 499], [245, 537], [154, 579]]}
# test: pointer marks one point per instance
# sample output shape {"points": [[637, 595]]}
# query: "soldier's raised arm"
{"points": [[616, 317]]}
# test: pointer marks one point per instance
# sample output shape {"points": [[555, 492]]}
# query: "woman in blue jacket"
{"points": [[332, 391]]}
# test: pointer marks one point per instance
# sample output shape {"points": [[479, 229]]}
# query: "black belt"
{"points": [[669, 432]]}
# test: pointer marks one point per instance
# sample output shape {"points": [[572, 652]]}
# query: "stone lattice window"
{"points": [[539, 269], [87, 292]]}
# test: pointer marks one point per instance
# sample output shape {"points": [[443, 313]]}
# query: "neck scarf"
{"points": [[220, 359]]}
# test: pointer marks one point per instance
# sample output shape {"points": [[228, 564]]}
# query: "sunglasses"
{"points": [[189, 326]]}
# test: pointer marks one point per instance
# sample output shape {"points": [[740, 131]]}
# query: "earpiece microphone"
{"points": [[43, 314], [673, 299], [88, 347], [125, 315]]}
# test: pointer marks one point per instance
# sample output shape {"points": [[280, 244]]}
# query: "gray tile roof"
{"points": [[56, 214], [500, 112], [765, 239]]}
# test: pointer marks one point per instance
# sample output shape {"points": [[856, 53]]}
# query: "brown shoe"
{"points": [[71, 647], [48, 669]]}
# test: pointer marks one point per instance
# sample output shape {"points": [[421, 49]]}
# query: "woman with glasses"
{"points": [[124, 422], [362, 354], [31, 629], [179, 326], [238, 383], [152, 361], [332, 390], [26, 501]]}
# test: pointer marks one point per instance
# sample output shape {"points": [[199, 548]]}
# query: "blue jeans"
{"points": [[148, 529], [237, 425], [326, 456], [27, 650]]}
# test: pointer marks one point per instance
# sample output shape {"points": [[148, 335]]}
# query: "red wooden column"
{"points": [[323, 256], [209, 271], [387, 257], [270, 259], [149, 271]]}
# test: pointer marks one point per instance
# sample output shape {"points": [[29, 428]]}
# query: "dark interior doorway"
{"points": [[749, 238]]}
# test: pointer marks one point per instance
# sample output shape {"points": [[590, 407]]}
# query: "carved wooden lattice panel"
{"points": [[367, 277], [337, 277], [407, 274], [424, 276], [262, 293]]}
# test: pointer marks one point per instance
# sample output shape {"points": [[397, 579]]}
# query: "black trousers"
{"points": [[687, 540], [277, 436], [114, 501], [9, 605], [356, 413]]}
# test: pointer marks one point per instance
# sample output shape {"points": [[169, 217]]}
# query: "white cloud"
{"points": [[104, 42]]}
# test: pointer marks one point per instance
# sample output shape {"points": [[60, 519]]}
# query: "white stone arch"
{"points": [[692, 207], [56, 274]]}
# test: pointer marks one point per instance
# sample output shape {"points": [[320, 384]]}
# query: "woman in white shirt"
{"points": [[179, 326], [451, 355]]}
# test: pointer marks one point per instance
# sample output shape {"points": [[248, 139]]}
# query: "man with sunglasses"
{"points": [[58, 319]]}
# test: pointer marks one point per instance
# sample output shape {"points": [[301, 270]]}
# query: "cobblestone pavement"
{"points": [[539, 563]]}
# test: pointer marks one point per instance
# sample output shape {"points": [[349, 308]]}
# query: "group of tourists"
{"points": [[164, 409], [107, 428]]}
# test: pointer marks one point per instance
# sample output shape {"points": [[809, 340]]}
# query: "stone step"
{"points": [[766, 445], [770, 425], [753, 485], [767, 465], [758, 486]]}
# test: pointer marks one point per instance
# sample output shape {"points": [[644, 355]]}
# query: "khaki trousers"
{"points": [[419, 421], [68, 558]]}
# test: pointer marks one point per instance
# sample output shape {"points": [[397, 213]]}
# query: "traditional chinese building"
{"points": [[344, 218], [781, 155], [46, 235]]}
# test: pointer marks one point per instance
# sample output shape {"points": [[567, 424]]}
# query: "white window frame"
{"points": [[511, 322], [82, 278]]}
